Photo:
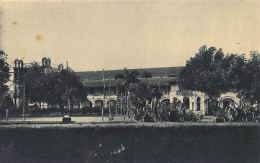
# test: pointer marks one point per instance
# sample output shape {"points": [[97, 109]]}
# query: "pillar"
{"points": [[190, 98], [202, 106]]}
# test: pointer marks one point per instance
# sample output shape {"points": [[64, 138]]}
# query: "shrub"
{"points": [[139, 114], [193, 116], [173, 112], [242, 113]]}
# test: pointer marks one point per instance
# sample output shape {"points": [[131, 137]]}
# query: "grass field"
{"points": [[130, 142]]}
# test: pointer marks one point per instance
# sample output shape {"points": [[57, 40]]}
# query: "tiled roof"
{"points": [[110, 74], [151, 81]]}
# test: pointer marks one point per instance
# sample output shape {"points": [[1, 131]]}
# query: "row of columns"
{"points": [[94, 102]]}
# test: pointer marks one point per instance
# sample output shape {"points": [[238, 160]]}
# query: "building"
{"points": [[102, 87], [20, 69], [165, 78]]}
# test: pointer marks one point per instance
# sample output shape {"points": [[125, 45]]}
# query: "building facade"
{"points": [[165, 78], [102, 87], [20, 69]]}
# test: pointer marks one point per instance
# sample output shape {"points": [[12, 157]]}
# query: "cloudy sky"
{"points": [[134, 34]]}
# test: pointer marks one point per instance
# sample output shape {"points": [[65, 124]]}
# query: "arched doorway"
{"points": [[87, 104], [186, 102], [198, 103], [98, 103], [227, 102], [207, 110]]}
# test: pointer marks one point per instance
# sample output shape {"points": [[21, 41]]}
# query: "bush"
{"points": [[193, 116], [176, 112], [242, 113], [139, 114], [173, 112]]}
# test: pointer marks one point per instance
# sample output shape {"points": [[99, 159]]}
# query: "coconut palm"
{"points": [[128, 78], [145, 95]]}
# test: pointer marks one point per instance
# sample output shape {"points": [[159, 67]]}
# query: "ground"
{"points": [[129, 142]]}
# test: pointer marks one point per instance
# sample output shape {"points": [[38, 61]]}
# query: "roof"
{"points": [[152, 81], [110, 74]]}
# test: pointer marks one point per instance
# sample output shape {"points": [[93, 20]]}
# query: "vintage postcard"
{"points": [[130, 81]]}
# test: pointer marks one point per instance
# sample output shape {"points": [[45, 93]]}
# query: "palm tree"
{"points": [[146, 94], [128, 77], [156, 94]]}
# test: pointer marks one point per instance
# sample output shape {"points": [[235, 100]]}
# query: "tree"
{"points": [[145, 94], [128, 77], [146, 75], [55, 88], [64, 88], [249, 82], [206, 72], [213, 73], [4, 76], [35, 82]]}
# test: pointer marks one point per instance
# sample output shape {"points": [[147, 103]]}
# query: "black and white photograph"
{"points": [[129, 81]]}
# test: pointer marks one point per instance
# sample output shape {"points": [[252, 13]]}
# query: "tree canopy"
{"points": [[4, 73], [4, 76], [249, 83], [213, 73], [55, 88], [204, 73]]}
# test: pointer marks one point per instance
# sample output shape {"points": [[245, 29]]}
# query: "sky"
{"points": [[134, 34]]}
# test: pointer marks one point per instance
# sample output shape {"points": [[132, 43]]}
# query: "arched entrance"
{"points": [[87, 104], [227, 102], [198, 103], [98, 103], [186, 102]]}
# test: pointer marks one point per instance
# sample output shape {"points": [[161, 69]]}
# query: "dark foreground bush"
{"points": [[196, 144]]}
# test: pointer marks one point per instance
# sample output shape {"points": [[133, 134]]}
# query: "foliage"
{"points": [[144, 94], [146, 74], [34, 83], [55, 87], [204, 72], [213, 73], [249, 90], [4, 72], [4, 76], [242, 113], [176, 112], [128, 77], [192, 116], [63, 86]]}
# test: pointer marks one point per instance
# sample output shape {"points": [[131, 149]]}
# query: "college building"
{"points": [[165, 78], [102, 87]]}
